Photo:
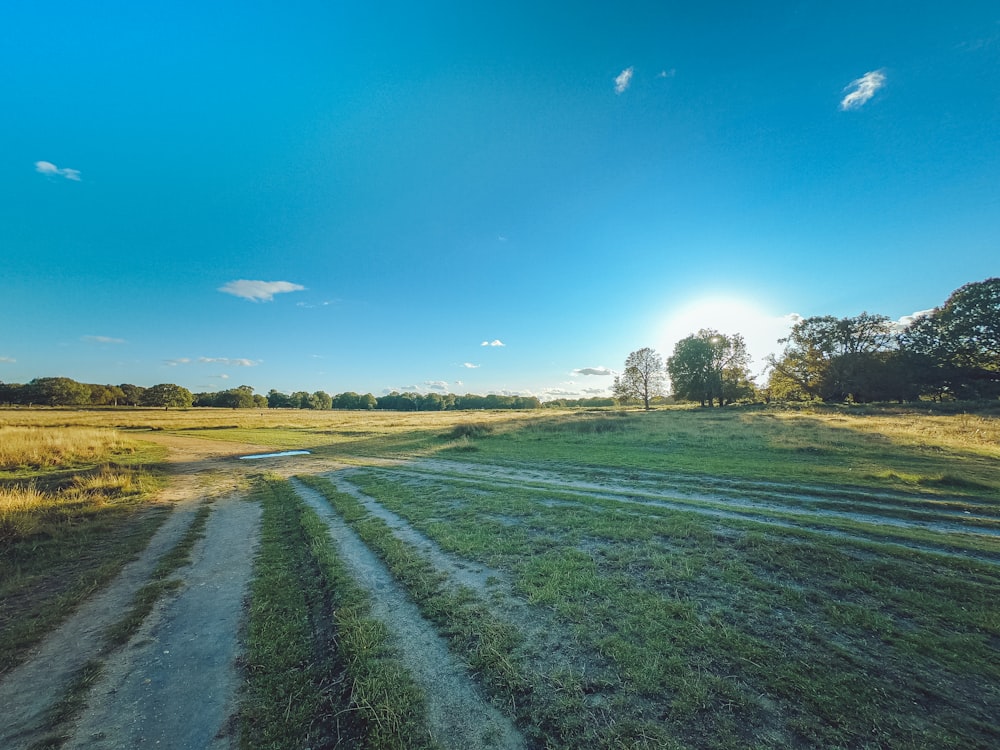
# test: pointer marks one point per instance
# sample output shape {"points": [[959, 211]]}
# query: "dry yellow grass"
{"points": [[41, 446]]}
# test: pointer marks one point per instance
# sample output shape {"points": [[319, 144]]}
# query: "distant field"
{"points": [[681, 578]]}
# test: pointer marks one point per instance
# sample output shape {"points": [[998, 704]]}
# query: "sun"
{"points": [[759, 327]]}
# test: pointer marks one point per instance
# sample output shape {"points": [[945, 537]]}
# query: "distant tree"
{"points": [[58, 392], [132, 393], [299, 400], [320, 400], [259, 401], [167, 395], [955, 350], [642, 379], [278, 400], [13, 393], [235, 398]]}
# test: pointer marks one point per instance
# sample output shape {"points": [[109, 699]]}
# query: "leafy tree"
{"points": [[835, 359], [955, 350], [320, 400], [235, 398], [58, 392], [711, 367], [132, 393], [642, 378], [167, 395], [13, 393], [278, 400]]}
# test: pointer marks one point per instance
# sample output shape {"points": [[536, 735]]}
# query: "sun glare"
{"points": [[760, 328]]}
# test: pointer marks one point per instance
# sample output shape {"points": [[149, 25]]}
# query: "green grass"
{"points": [[319, 669], [720, 633]]}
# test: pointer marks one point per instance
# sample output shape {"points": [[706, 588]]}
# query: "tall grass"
{"points": [[70, 517], [39, 447]]}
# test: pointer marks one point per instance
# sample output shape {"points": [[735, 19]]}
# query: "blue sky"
{"points": [[436, 197]]}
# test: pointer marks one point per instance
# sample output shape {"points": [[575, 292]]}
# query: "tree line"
{"points": [[60, 391], [952, 352]]}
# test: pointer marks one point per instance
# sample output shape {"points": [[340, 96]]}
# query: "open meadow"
{"points": [[683, 578]]}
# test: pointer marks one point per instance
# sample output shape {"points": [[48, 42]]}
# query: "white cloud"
{"points": [[48, 168], [259, 291], [7, 359], [102, 340], [494, 342], [470, 366], [907, 320], [437, 385], [175, 362], [861, 90], [230, 362], [602, 371], [623, 80], [667, 73]]}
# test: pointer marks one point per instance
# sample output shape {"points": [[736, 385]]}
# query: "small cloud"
{"points": [[602, 371], [470, 366], [459, 383], [667, 73], [623, 80], [437, 385], [494, 342], [175, 362], [314, 305], [102, 340], [861, 90], [907, 320], [259, 291], [230, 362], [7, 359], [502, 238], [48, 168]]}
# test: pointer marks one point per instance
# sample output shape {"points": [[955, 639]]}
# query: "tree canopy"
{"points": [[710, 367]]}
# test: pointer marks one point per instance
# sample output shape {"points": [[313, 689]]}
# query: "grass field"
{"points": [[681, 578]]}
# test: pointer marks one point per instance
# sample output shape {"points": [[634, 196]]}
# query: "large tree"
{"points": [[837, 359], [710, 367], [955, 350], [167, 395], [642, 379], [58, 392]]}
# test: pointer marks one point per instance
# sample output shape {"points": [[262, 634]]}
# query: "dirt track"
{"points": [[197, 625]]}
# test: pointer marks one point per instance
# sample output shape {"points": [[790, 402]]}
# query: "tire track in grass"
{"points": [[564, 693], [863, 527], [458, 716]]}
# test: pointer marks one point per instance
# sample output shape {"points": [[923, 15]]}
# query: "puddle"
{"points": [[275, 455]]}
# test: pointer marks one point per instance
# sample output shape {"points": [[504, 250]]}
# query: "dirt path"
{"points": [[175, 683], [200, 469]]}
